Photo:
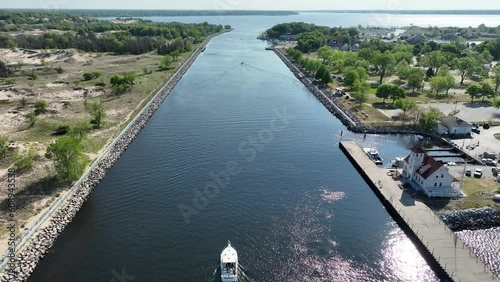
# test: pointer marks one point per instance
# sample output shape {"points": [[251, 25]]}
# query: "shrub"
{"points": [[3, 146], [41, 106], [32, 118], [23, 163], [59, 70], [92, 75], [62, 129], [33, 76]]}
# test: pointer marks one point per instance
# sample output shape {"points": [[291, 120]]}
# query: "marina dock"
{"points": [[449, 257]]}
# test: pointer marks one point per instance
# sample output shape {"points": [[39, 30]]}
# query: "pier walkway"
{"points": [[428, 232]]}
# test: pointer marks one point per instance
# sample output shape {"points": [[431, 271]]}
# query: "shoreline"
{"points": [[437, 243], [36, 241], [454, 219]]}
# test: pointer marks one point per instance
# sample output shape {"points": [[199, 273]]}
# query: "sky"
{"points": [[257, 4]]}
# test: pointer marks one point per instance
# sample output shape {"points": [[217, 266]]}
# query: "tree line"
{"points": [[94, 35]]}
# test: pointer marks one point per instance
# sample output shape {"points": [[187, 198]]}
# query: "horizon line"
{"points": [[268, 10]]}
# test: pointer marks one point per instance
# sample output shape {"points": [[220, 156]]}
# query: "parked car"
{"points": [[451, 163], [496, 198], [494, 171], [490, 162], [468, 172], [478, 173], [476, 130]]}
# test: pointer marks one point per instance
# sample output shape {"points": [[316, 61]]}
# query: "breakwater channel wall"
{"points": [[37, 240], [331, 102], [449, 257]]}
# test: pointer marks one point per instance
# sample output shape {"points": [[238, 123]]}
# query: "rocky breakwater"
{"points": [[26, 260], [331, 102], [472, 219]]}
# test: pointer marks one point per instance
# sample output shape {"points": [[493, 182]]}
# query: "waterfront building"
{"points": [[454, 127], [425, 174]]}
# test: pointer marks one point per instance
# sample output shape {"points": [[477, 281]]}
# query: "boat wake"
{"points": [[242, 275]]}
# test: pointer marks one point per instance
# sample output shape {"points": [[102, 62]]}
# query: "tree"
{"points": [[429, 119], [496, 76], [69, 159], [351, 75], [384, 91], [41, 106], [496, 103], [450, 82], [438, 83], [32, 118], [98, 113], [405, 105], [166, 62], [325, 52], [474, 90], [392, 91], [466, 67], [384, 62], [397, 93], [175, 55], [120, 83], [403, 70], [416, 81], [487, 90], [361, 86], [327, 77], [434, 59], [319, 73], [360, 98]]}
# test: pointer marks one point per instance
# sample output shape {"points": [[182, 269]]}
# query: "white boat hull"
{"points": [[229, 264]]}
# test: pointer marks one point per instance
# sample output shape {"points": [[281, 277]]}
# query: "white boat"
{"points": [[374, 156], [229, 264], [398, 162]]}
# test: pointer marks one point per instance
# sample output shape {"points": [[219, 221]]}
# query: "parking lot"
{"points": [[477, 144]]}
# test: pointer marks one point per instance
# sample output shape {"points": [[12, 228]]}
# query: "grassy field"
{"points": [[479, 194], [64, 93]]}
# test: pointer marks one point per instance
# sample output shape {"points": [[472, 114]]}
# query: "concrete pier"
{"points": [[446, 254]]}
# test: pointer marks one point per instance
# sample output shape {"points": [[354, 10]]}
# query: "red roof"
{"points": [[418, 150], [429, 166]]}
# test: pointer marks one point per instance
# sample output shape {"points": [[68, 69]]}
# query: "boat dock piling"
{"points": [[448, 256]]}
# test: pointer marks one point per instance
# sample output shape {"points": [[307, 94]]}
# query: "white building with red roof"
{"points": [[427, 175]]}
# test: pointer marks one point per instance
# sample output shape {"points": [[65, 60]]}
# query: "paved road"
{"points": [[469, 112]]}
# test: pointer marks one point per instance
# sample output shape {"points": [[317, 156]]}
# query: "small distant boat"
{"points": [[229, 264], [398, 162], [203, 49], [269, 48], [242, 63], [374, 155]]}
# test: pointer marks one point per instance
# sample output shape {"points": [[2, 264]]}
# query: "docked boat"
{"points": [[374, 155], [229, 264], [203, 49], [398, 162]]}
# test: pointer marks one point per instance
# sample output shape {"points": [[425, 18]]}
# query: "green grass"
{"points": [[94, 144], [479, 194]]}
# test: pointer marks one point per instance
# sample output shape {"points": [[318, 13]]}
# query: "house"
{"points": [[454, 126], [427, 175], [287, 37]]}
